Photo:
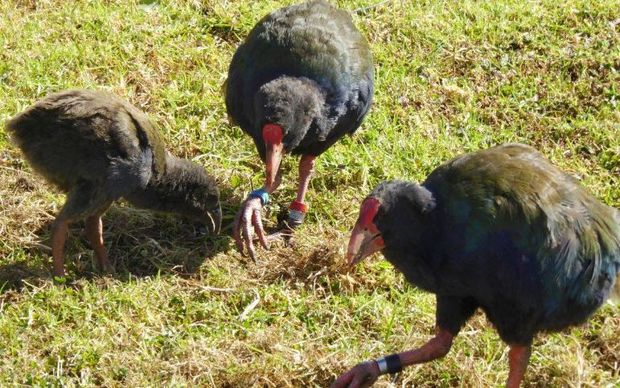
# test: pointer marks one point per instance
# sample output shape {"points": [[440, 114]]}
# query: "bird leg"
{"points": [[94, 232], [436, 347], [59, 235], [248, 219], [366, 373], [298, 208], [306, 169], [83, 200], [518, 358]]}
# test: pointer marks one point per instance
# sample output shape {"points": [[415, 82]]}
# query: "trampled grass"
{"points": [[451, 77]]}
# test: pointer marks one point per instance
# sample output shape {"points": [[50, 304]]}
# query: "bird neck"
{"points": [[170, 191], [410, 230]]}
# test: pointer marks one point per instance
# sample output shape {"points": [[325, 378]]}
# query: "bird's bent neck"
{"points": [[178, 175], [170, 191]]}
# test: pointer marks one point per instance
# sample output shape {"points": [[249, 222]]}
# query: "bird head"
{"points": [[285, 108], [393, 214], [291, 103], [187, 189], [206, 197]]}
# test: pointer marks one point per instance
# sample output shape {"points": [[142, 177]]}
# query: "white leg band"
{"points": [[382, 363]]}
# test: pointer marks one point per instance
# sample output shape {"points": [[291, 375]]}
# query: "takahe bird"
{"points": [[98, 148], [502, 230], [302, 79]]}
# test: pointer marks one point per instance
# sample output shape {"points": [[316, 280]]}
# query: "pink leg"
{"points": [[306, 169], [94, 232], [437, 347], [59, 235], [518, 358], [366, 373], [298, 208]]}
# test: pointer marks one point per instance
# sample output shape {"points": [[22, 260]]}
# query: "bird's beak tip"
{"points": [[351, 258], [218, 223], [215, 218], [361, 245]]}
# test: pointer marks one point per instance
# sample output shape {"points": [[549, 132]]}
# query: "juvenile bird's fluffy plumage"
{"points": [[98, 148], [508, 232], [104, 145], [84, 135]]}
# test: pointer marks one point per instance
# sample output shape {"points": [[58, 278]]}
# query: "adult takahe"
{"points": [[98, 148], [502, 230], [302, 79]]}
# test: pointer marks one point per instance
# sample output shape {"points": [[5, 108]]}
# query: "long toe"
{"points": [[284, 235]]}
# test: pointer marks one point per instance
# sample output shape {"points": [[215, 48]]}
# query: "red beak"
{"points": [[272, 135], [364, 242]]}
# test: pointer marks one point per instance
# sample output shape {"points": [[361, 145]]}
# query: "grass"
{"points": [[451, 77]]}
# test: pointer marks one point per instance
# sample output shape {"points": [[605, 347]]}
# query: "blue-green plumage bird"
{"points": [[502, 230], [301, 80]]}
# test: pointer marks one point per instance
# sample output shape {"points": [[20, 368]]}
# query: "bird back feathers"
{"points": [[574, 238]]}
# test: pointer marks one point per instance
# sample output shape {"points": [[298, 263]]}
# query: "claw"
{"points": [[247, 229], [247, 236], [237, 231], [248, 221], [257, 222], [285, 235]]}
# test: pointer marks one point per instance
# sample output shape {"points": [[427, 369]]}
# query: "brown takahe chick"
{"points": [[98, 149]]}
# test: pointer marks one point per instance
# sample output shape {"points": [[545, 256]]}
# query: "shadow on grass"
{"points": [[140, 243], [13, 275], [152, 244]]}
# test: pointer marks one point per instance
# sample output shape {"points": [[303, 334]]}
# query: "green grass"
{"points": [[451, 77]]}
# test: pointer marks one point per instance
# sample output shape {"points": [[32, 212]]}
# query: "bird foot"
{"points": [[285, 235]]}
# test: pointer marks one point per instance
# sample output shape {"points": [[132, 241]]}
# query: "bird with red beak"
{"points": [[365, 237], [502, 230], [302, 80]]}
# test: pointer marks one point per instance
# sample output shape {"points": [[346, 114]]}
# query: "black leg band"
{"points": [[393, 363], [390, 364]]}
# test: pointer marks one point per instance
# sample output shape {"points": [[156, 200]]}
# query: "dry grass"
{"points": [[185, 309]]}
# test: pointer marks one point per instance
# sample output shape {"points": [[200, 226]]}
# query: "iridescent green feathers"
{"points": [[575, 238]]}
